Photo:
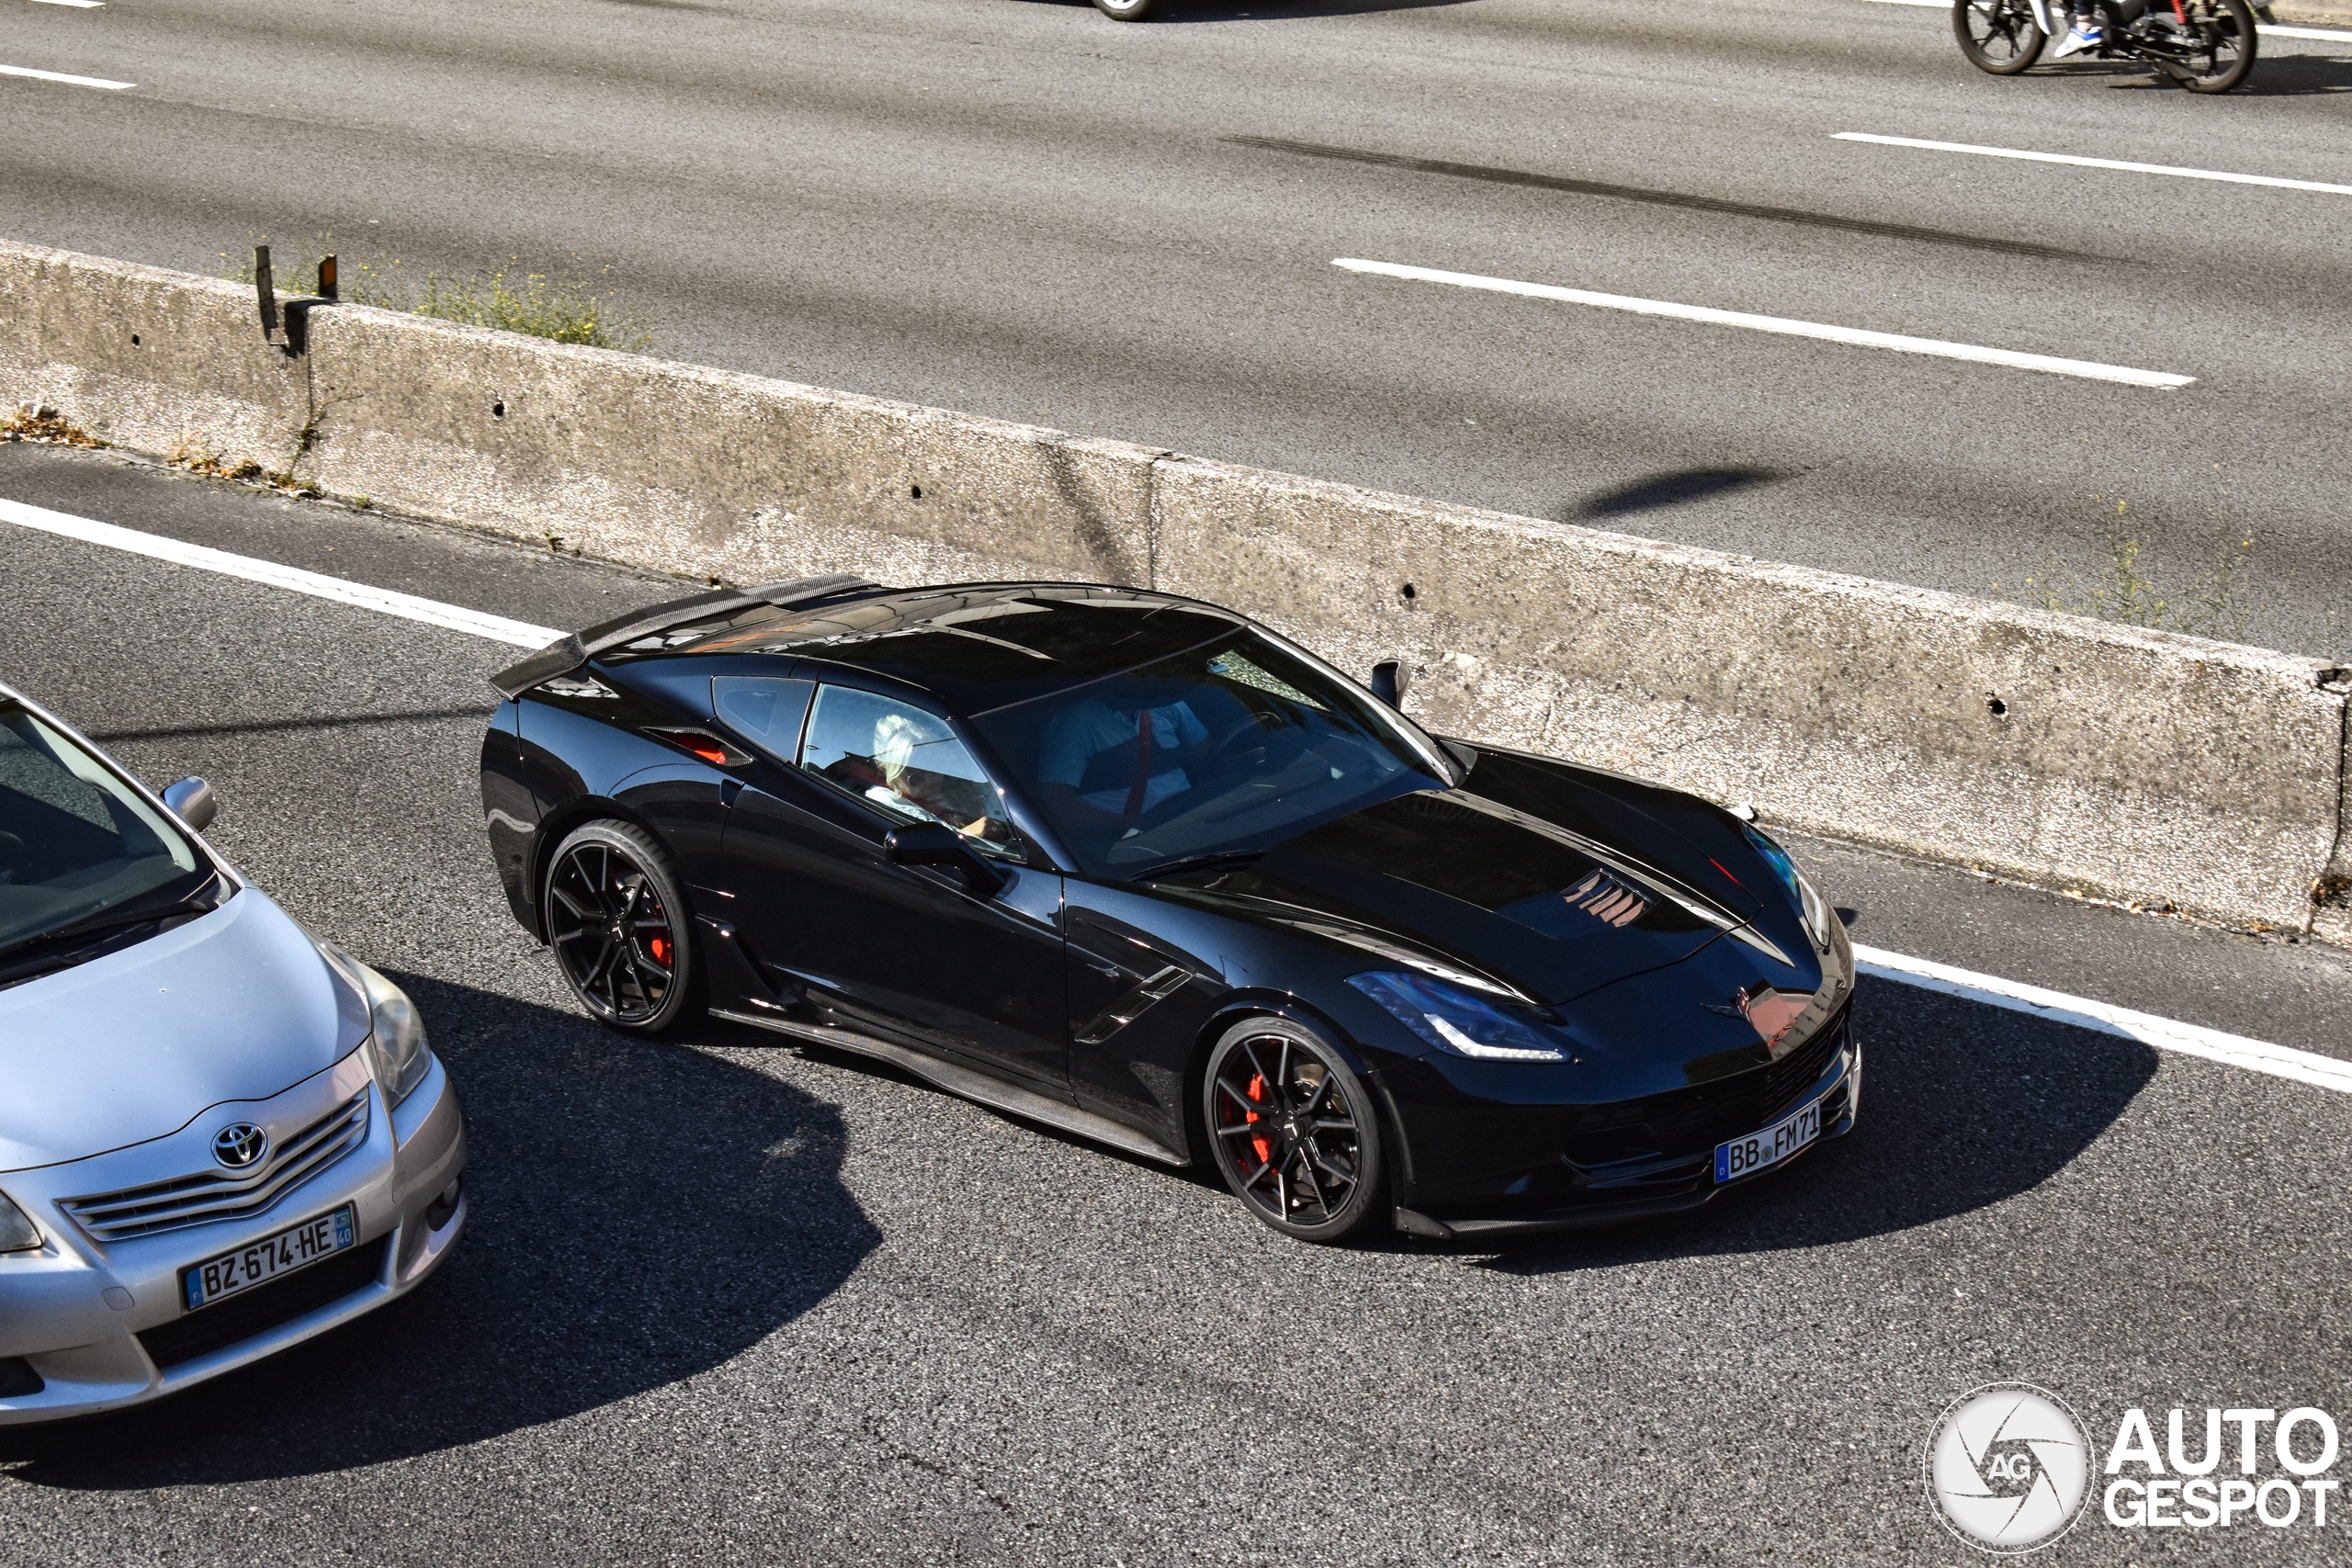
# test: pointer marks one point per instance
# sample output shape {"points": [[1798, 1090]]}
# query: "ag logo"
{"points": [[2007, 1468]]}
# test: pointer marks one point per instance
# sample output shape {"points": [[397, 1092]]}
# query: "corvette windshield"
{"points": [[76, 842], [1231, 746]]}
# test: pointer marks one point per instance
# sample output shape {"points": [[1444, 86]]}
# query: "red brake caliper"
{"points": [[659, 947], [1258, 1142]]}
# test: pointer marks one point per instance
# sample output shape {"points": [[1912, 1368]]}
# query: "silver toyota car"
{"points": [[219, 1134]]}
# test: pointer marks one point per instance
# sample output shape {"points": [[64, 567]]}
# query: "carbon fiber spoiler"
{"points": [[569, 652]]}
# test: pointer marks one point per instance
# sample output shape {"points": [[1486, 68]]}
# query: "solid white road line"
{"points": [[2086, 369], [60, 76], [2267, 28], [77, 5], [2091, 162], [2164, 1033], [2256, 1056], [408, 606]]}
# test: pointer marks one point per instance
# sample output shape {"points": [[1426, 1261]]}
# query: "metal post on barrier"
{"points": [[272, 329]]}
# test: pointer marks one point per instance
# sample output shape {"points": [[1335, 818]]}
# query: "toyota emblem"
{"points": [[238, 1144]]}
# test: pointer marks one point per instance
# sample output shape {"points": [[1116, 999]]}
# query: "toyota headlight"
{"points": [[396, 1043], [17, 1233], [1454, 1021], [1810, 907]]}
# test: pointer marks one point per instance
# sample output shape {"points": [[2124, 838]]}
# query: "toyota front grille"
{"points": [[209, 1195]]}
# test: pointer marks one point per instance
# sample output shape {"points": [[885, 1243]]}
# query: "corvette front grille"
{"points": [[209, 1195], [1689, 1120]]}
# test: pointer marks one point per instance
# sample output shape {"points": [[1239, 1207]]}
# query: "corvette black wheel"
{"points": [[1293, 1130], [618, 927]]}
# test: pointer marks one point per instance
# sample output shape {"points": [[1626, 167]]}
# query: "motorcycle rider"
{"points": [[2088, 34]]}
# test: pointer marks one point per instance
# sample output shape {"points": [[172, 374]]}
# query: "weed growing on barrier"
{"points": [[2214, 604], [564, 310], [39, 423]]}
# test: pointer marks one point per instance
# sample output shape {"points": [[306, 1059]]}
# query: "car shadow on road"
{"points": [[639, 1212], [1964, 1106]]}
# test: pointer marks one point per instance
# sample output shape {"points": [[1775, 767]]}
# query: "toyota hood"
{"points": [[237, 1005]]}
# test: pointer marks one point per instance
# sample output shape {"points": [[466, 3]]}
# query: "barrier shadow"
{"points": [[1963, 1107], [639, 1212], [1680, 488]]}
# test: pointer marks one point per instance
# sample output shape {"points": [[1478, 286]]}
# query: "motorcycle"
{"points": [[2207, 45]]}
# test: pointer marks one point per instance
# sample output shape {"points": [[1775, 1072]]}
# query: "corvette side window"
{"points": [[764, 710], [904, 761]]}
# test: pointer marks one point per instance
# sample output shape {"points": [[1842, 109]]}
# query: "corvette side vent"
{"points": [[1604, 897]]}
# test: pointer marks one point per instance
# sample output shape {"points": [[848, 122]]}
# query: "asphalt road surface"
{"points": [[1021, 208], [724, 1302]]}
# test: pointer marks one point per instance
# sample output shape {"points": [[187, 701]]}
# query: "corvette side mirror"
{"points": [[935, 843], [192, 799], [1389, 679]]}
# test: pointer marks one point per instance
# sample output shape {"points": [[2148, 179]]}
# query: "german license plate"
{"points": [[1743, 1156], [298, 1246]]}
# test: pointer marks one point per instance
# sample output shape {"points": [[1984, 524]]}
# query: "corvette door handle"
{"points": [[1108, 971]]}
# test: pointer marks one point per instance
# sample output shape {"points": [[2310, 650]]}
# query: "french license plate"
{"points": [[295, 1248], [1782, 1138]]}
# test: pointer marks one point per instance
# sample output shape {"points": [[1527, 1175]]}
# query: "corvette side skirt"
{"points": [[969, 1085]]}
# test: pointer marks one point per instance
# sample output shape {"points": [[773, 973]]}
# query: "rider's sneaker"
{"points": [[2081, 41]]}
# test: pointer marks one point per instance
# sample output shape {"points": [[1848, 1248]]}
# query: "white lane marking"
{"points": [[2272, 28], [2175, 169], [2084, 368], [60, 76], [77, 5], [2164, 1033], [2256, 1056], [408, 606]]}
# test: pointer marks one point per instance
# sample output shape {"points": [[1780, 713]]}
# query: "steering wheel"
{"points": [[1249, 727]]}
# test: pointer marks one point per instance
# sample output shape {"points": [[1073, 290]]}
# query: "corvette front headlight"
{"points": [[1455, 1021], [1810, 906], [17, 1233], [396, 1043]]}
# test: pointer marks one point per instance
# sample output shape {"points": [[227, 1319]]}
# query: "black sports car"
{"points": [[1136, 867]]}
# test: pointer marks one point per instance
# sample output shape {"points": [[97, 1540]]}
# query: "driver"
{"points": [[1121, 760]]}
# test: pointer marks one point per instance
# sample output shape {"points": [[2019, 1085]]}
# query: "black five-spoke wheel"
{"points": [[1293, 1130], [618, 926]]}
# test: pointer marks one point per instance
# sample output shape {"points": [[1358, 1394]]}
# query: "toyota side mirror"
{"points": [[191, 801], [935, 843], [1389, 679]]}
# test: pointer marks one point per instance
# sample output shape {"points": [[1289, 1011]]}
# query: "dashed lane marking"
{"points": [[318, 584], [2164, 1033], [60, 76], [2118, 163], [2086, 369]]}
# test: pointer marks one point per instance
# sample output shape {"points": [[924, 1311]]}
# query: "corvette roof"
{"points": [[978, 646]]}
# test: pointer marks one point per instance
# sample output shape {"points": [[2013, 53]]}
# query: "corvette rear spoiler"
{"points": [[567, 653]]}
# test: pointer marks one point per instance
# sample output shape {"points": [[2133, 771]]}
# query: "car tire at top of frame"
{"points": [[1126, 10], [1295, 1131], [616, 922]]}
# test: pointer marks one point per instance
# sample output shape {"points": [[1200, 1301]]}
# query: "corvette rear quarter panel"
{"points": [[571, 765]]}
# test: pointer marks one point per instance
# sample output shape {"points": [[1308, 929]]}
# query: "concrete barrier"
{"points": [[2132, 764]]}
